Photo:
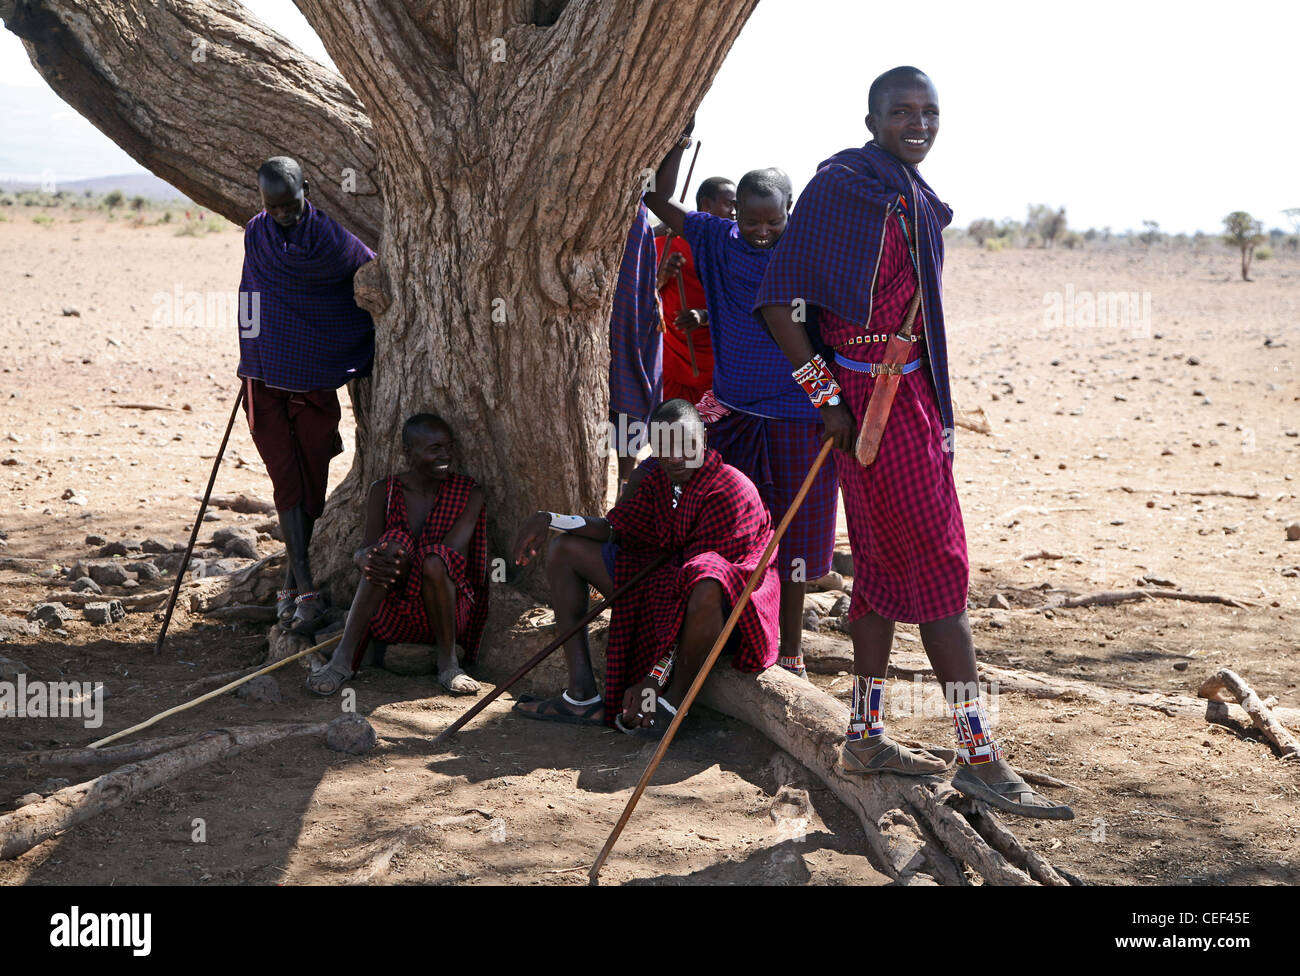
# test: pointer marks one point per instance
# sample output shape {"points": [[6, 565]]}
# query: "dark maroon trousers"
{"points": [[296, 434]]}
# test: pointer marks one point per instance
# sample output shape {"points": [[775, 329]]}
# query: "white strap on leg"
{"points": [[580, 704]]}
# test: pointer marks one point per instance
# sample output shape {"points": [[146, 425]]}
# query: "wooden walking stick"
{"points": [[198, 520], [323, 645], [594, 874], [550, 648]]}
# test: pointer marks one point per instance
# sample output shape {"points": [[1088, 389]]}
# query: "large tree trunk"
{"points": [[510, 141]]}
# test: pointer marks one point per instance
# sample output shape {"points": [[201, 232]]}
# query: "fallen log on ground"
{"points": [[138, 601], [915, 834], [1227, 682], [110, 755], [1112, 597], [28, 826], [239, 503]]}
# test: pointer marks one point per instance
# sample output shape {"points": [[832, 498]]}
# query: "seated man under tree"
{"points": [[423, 562], [709, 517]]}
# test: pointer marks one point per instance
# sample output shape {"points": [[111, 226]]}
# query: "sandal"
{"points": [[892, 758], [284, 605], [554, 709], [1001, 795], [655, 731], [309, 608], [333, 681]]}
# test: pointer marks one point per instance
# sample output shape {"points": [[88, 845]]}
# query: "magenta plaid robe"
{"points": [[401, 617], [718, 530]]}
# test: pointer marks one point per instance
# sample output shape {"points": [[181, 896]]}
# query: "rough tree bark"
{"points": [[507, 141]]}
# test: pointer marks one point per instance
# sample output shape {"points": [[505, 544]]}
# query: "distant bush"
{"points": [[45, 220], [1072, 239], [981, 230], [997, 244], [191, 228], [7, 200], [113, 200], [1263, 252], [138, 203]]}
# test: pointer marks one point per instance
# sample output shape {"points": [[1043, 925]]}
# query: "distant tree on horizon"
{"points": [[113, 200], [1243, 231]]}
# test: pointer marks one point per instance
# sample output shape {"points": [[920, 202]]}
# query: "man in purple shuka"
{"points": [[301, 337], [636, 374]]}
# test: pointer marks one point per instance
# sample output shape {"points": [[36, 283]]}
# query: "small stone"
{"points": [[13, 627], [27, 799], [811, 621], [108, 573], [71, 310], [86, 585], [144, 570], [238, 541], [261, 690], [1180, 665], [109, 612], [842, 562], [840, 607], [831, 581], [1193, 361], [53, 785], [1293, 532], [212, 516], [999, 602], [351, 734], [113, 549], [50, 614], [153, 545]]}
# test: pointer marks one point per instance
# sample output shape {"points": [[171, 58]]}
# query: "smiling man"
{"points": [[423, 562], [708, 517], [759, 419], [866, 235], [301, 337]]}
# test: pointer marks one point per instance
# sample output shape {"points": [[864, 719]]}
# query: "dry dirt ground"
{"points": [[1160, 446]]}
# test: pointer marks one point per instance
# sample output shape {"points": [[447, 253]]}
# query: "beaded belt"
{"points": [[860, 339], [878, 369]]}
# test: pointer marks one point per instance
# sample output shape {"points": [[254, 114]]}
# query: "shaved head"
{"points": [[427, 422], [904, 76], [280, 172]]}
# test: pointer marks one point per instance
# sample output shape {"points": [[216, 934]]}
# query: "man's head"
{"points": [[763, 201], [903, 113], [427, 441], [283, 189], [677, 439], [717, 196]]}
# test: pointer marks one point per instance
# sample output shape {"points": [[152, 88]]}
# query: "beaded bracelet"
{"points": [[660, 671], [816, 379]]}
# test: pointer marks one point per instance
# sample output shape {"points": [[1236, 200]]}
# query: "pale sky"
{"points": [[1118, 111]]}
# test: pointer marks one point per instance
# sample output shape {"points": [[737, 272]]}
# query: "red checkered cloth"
{"points": [[401, 617], [679, 381], [776, 455], [718, 530], [905, 527]]}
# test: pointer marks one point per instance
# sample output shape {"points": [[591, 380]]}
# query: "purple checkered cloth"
{"points": [[309, 333], [829, 253], [750, 372], [636, 373], [776, 456]]}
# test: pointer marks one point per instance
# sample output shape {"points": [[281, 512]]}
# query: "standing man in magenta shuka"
{"points": [[301, 337]]}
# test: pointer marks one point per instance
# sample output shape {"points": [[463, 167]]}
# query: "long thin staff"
{"points": [[550, 648], [594, 874], [323, 645], [198, 520]]}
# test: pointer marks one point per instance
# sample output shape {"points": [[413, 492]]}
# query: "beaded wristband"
{"points": [[816, 379], [660, 671]]}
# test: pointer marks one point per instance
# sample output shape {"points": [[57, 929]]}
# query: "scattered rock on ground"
{"points": [[238, 541], [811, 620], [351, 734], [999, 602], [109, 612], [831, 581], [263, 689], [144, 570], [95, 540], [842, 562], [108, 573], [113, 549], [13, 627], [86, 585], [154, 545], [50, 614], [1293, 532]]}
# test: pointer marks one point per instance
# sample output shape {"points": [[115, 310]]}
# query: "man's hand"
{"points": [[641, 704], [531, 537], [384, 563], [838, 427], [672, 264], [689, 318]]}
